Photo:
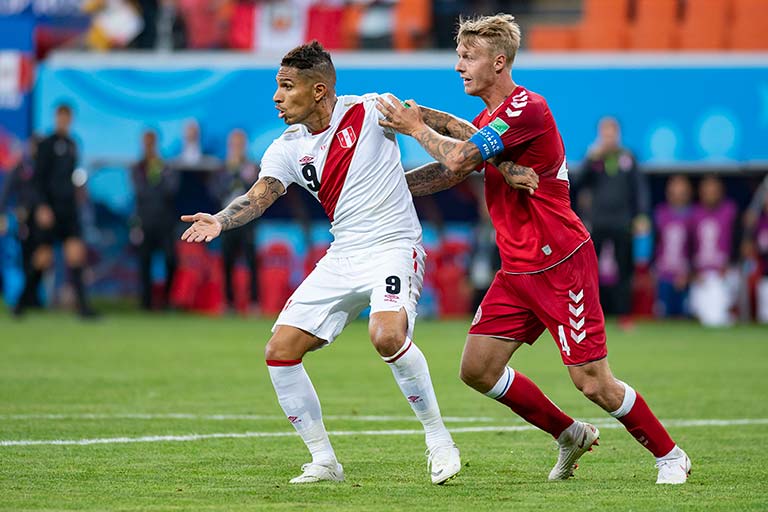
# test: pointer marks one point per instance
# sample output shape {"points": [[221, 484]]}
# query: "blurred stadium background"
{"points": [[687, 81]]}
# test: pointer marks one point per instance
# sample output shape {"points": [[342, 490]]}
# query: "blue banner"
{"points": [[674, 111]]}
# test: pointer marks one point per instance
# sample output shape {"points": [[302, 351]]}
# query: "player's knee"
{"points": [[592, 389], [474, 376], [387, 341], [277, 350]]}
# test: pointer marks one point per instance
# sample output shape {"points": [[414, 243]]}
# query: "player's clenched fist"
{"points": [[205, 227]]}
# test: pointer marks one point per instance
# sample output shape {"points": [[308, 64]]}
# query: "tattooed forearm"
{"points": [[432, 178], [446, 124], [252, 204], [511, 168], [456, 155]]}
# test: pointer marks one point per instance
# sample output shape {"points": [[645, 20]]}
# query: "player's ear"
{"points": [[500, 63], [320, 90]]}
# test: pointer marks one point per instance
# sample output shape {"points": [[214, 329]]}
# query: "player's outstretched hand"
{"points": [[205, 227], [401, 116], [519, 176]]}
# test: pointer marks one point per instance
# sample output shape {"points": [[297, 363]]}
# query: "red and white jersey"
{"points": [[533, 232], [353, 168]]}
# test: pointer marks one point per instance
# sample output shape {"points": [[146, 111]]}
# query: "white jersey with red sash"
{"points": [[353, 168]]}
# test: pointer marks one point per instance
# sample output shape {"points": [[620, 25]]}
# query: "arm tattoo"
{"points": [[447, 150], [446, 124], [243, 209], [510, 168], [432, 178]]}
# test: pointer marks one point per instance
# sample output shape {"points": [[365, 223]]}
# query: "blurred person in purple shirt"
{"points": [[756, 245], [673, 250], [712, 220]]}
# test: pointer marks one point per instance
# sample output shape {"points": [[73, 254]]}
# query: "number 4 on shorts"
{"points": [[563, 340]]}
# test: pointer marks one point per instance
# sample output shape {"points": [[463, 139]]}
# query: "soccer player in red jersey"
{"points": [[548, 278]]}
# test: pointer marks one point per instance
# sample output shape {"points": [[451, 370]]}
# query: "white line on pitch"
{"points": [[226, 417], [240, 435]]}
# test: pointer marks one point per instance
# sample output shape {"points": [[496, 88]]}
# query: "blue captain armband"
{"points": [[488, 141]]}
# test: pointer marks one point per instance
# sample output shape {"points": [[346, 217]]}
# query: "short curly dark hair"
{"points": [[311, 57]]}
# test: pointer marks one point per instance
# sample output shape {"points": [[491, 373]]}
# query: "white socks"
{"points": [[412, 375], [630, 395], [502, 385], [299, 401]]}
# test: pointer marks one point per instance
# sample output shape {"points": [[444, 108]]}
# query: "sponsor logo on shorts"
{"points": [[391, 298], [478, 315], [308, 159]]}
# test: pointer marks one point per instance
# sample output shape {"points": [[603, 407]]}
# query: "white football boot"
{"points": [[574, 442], [443, 463], [314, 472], [674, 467]]}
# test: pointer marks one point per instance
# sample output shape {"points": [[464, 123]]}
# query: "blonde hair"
{"points": [[500, 33]]}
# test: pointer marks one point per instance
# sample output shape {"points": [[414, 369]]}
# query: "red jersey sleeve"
{"points": [[519, 120]]}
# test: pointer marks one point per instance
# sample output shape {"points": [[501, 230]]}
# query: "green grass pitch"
{"points": [[139, 378]]}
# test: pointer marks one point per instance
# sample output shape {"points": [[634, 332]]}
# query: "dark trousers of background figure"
{"points": [[161, 239], [616, 299], [235, 242]]}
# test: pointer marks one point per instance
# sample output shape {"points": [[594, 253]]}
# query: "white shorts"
{"points": [[339, 288]]}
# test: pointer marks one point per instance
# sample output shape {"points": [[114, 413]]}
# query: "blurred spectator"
{"points": [[235, 179], [617, 208], [19, 193], [756, 245], [672, 220], [114, 23], [197, 170], [155, 185], [377, 25], [56, 214], [164, 27], [712, 290], [192, 154]]}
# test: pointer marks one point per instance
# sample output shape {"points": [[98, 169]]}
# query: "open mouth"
{"points": [[280, 113]]}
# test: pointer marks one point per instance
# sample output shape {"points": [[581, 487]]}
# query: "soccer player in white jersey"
{"points": [[336, 150]]}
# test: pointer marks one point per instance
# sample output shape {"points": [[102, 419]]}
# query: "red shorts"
{"points": [[564, 299]]}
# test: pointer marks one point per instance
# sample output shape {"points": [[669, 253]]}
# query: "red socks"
{"points": [[640, 421], [520, 394]]}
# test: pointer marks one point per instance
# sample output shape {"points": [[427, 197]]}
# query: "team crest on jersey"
{"points": [[347, 137], [478, 315], [306, 160]]}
